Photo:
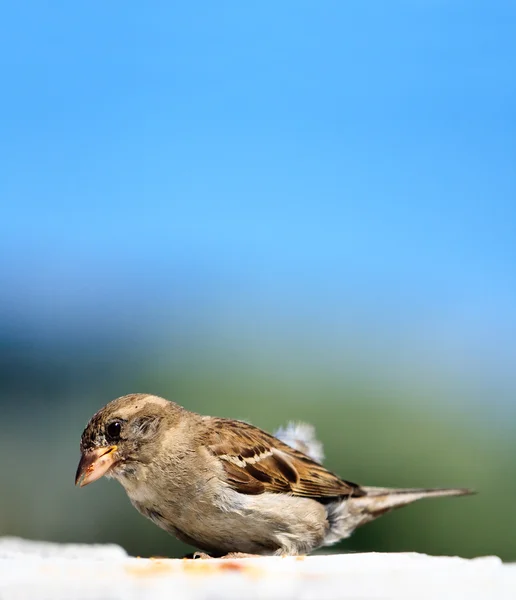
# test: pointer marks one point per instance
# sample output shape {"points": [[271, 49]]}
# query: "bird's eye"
{"points": [[113, 431]]}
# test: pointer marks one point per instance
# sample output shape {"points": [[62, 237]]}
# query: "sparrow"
{"points": [[225, 486]]}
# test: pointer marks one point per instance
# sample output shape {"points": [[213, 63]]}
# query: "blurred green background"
{"points": [[285, 211]]}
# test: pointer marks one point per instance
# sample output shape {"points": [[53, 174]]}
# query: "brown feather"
{"points": [[256, 462]]}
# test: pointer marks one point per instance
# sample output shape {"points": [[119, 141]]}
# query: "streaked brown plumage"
{"points": [[256, 462], [225, 486]]}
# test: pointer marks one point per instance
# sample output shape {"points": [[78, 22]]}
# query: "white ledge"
{"points": [[44, 570]]}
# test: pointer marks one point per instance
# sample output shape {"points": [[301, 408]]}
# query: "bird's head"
{"points": [[123, 436]]}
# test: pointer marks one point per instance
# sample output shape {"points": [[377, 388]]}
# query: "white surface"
{"points": [[11, 547], [38, 570]]}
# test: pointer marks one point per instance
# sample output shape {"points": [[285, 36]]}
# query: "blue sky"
{"points": [[346, 161]]}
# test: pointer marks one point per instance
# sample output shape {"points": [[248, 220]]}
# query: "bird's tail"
{"points": [[345, 516], [376, 501]]}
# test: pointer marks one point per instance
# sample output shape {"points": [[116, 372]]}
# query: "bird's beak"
{"points": [[93, 464]]}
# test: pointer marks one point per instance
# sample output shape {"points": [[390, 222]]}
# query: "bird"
{"points": [[226, 487]]}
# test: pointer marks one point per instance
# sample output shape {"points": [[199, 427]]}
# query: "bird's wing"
{"points": [[256, 462]]}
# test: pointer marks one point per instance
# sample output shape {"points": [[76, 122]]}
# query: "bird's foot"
{"points": [[203, 555], [196, 555], [240, 555]]}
